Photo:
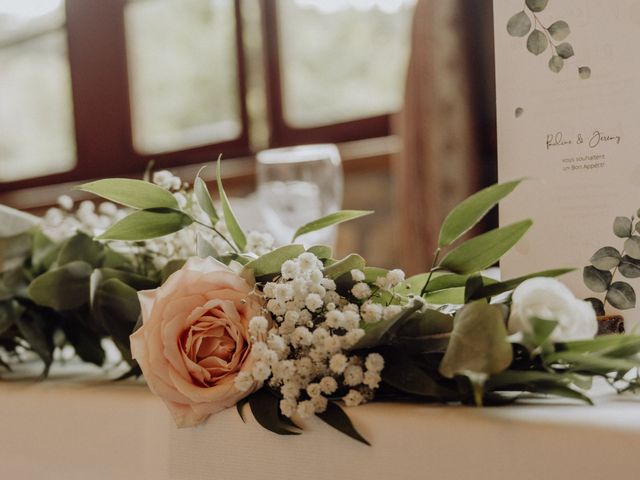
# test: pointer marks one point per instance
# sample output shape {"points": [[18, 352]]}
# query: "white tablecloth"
{"points": [[87, 427]]}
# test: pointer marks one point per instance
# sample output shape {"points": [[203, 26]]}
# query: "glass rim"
{"points": [[299, 154]]}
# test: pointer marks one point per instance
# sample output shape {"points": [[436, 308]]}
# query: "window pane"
{"points": [[36, 119], [343, 59], [183, 73]]}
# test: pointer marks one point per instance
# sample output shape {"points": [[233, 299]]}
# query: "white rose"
{"points": [[549, 299]]}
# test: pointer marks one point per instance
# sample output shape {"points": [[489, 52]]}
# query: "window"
{"points": [[91, 88], [36, 123]]}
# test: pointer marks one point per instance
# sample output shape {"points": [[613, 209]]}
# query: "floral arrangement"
{"points": [[214, 317]]}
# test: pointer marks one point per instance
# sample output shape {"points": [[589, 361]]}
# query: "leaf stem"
{"points": [[436, 256], [537, 22], [218, 233]]}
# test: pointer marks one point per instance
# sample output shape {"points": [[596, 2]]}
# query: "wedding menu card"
{"points": [[568, 109]]}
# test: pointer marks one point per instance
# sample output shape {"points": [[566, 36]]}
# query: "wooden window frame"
{"points": [[283, 134], [97, 53]]}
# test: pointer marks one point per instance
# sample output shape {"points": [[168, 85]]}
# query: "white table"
{"points": [[87, 427]]}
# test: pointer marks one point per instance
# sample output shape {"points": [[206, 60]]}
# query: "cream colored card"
{"points": [[576, 139]]}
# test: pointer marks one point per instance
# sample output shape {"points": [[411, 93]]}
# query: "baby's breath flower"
{"points": [[261, 371], [290, 270], [371, 312], [361, 291], [314, 390], [334, 318], [372, 380], [166, 180], [353, 398], [319, 336], [338, 363], [328, 385], [269, 289], [276, 343], [301, 337], [306, 409], [353, 375], [332, 344], [65, 202], [258, 326], [352, 337], [394, 277], [290, 390], [283, 292], [357, 275], [391, 311], [276, 307], [308, 261], [328, 284], [350, 320], [243, 381], [313, 302], [288, 407], [332, 297], [320, 403], [374, 362]]}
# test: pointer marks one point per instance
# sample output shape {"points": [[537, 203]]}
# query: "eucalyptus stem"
{"points": [[218, 233], [436, 256]]}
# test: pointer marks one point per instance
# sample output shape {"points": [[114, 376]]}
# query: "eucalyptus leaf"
{"points": [[584, 73], [81, 247], [536, 5], [62, 288], [484, 250], [237, 235], [330, 220], [596, 280], [556, 63], [478, 342], [622, 227], [629, 267], [147, 224], [621, 295], [204, 199], [606, 258], [559, 30], [565, 50], [271, 263], [632, 247], [468, 213], [519, 25], [537, 42], [351, 262], [132, 193], [338, 419]]}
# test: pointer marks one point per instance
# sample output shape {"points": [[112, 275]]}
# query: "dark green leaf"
{"points": [[132, 193], [597, 304], [204, 199], [237, 235], [380, 332], [63, 288], [622, 227], [330, 220], [484, 250], [537, 42], [81, 247], [335, 416], [85, 341], [35, 330], [478, 342], [501, 287], [596, 280], [170, 268], [265, 408], [606, 258], [44, 252], [621, 295], [240, 405], [468, 213], [559, 30], [632, 247], [629, 267], [147, 224], [519, 25]]}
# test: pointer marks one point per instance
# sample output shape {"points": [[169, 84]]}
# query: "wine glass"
{"points": [[297, 185]]}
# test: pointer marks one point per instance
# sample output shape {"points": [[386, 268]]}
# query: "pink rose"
{"points": [[194, 339]]}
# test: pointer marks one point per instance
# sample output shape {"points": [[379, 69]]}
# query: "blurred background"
{"points": [[405, 88]]}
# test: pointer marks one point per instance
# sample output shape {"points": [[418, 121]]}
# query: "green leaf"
{"points": [[85, 341], [559, 30], [537, 42], [379, 333], [424, 332], [565, 50], [44, 252], [335, 417], [63, 288], [594, 364], [323, 252], [265, 408], [632, 247], [271, 263], [621, 296], [616, 346], [536, 5], [484, 250], [596, 280], [478, 342], [81, 247], [205, 248], [204, 199], [237, 235], [450, 296], [131, 193], [498, 288], [351, 262], [584, 73], [330, 220], [170, 268], [35, 329], [606, 258], [519, 25], [147, 224], [556, 64], [622, 227], [468, 213], [402, 373]]}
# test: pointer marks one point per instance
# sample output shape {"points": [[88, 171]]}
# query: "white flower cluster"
{"points": [[306, 353]]}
